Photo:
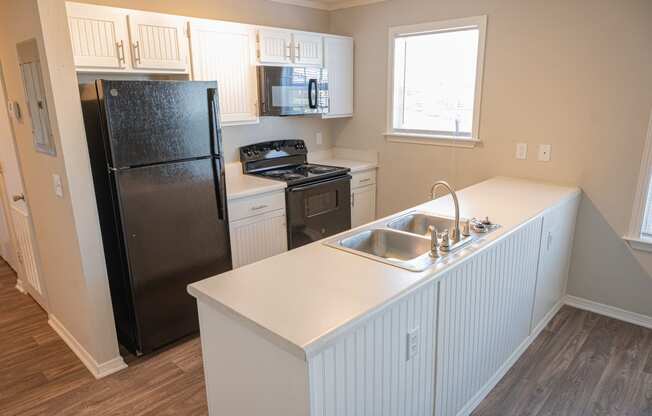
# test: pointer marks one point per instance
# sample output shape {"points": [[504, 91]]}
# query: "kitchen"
{"points": [[392, 167]]}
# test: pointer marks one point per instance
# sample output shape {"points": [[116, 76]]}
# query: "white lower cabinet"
{"points": [[257, 227], [554, 260], [363, 197]]}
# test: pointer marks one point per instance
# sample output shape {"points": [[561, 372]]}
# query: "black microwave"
{"points": [[292, 90]]}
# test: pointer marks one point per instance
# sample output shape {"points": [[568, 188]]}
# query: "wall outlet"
{"points": [[319, 138], [412, 343], [58, 186], [521, 151], [544, 152]]}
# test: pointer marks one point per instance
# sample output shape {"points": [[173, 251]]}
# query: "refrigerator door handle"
{"points": [[220, 189], [215, 121]]}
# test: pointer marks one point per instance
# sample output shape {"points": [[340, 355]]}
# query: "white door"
{"points": [[99, 37], [338, 60], [274, 46], [308, 49], [363, 205], [258, 237], [226, 53], [20, 222], [158, 42]]}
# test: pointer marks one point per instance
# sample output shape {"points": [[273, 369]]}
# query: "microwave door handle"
{"points": [[312, 93]]}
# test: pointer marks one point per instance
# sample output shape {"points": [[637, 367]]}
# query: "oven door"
{"points": [[318, 210], [291, 91]]}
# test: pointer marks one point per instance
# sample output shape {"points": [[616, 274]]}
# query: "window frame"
{"points": [[635, 236], [429, 136]]}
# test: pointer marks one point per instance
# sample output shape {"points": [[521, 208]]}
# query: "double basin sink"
{"points": [[404, 241]]}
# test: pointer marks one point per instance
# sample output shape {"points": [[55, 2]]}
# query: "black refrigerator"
{"points": [[156, 158]]}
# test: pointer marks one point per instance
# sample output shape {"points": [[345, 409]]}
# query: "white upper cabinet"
{"points": [[226, 53], [158, 41], [308, 49], [338, 60], [275, 46], [99, 37], [279, 46]]}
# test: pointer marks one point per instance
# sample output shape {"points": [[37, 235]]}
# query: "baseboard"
{"points": [[610, 311], [20, 287], [495, 379], [98, 370]]}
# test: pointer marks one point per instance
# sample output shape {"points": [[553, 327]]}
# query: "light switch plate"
{"points": [[544, 152], [318, 138], [521, 151], [412, 343], [58, 186]]}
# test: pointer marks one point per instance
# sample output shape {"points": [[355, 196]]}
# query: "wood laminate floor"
{"points": [[582, 364]]}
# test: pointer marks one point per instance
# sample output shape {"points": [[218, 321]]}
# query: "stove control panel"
{"points": [[272, 150]]}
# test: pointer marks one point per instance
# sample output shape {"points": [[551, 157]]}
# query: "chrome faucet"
{"points": [[455, 233]]}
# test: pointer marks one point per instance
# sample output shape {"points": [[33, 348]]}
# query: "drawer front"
{"points": [[365, 178], [256, 205]]}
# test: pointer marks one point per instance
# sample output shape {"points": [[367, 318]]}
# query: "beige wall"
{"points": [[260, 12], [67, 229], [575, 74]]}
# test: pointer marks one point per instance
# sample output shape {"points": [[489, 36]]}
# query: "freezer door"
{"points": [[176, 232], [157, 121]]}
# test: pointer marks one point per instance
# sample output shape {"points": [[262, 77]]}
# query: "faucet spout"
{"points": [[455, 233]]}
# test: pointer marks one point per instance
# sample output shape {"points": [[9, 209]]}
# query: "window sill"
{"points": [[641, 244], [431, 139]]}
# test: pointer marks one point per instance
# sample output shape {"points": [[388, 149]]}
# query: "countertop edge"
{"points": [[270, 336]]}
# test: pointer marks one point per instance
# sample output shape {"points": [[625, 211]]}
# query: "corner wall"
{"points": [[572, 74]]}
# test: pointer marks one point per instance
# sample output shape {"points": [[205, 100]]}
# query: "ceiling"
{"points": [[328, 4]]}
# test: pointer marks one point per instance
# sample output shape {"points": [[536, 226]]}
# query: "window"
{"points": [[436, 79], [640, 228]]}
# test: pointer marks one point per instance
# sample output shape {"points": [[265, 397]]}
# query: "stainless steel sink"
{"points": [[418, 223], [400, 249], [387, 244]]}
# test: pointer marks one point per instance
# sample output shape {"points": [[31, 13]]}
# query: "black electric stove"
{"points": [[317, 197]]}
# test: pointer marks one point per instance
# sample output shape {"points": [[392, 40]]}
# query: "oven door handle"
{"points": [[317, 184]]}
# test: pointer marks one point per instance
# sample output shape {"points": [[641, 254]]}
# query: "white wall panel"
{"points": [[485, 312], [367, 373]]}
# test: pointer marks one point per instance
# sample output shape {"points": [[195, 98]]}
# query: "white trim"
{"points": [[479, 22], [98, 370], [431, 139], [327, 5], [498, 376], [641, 244], [20, 286], [640, 197], [610, 311]]}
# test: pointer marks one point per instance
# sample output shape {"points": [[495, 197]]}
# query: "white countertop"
{"points": [[302, 298], [239, 185], [354, 165]]}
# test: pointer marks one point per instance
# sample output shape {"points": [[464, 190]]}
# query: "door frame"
{"points": [[21, 282]]}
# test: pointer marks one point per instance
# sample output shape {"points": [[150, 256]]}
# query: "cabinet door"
{"points": [[308, 49], [258, 237], [225, 52], [99, 36], [274, 46], [554, 259], [338, 60], [363, 205], [158, 42]]}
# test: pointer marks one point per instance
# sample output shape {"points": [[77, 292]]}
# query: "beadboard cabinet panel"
{"points": [[275, 46], [369, 371], [484, 314], [226, 53], [363, 205], [338, 60], [258, 237], [308, 49], [99, 36], [158, 41]]}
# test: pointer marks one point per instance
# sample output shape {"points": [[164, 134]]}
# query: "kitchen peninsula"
{"points": [[321, 331]]}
